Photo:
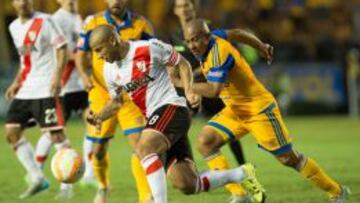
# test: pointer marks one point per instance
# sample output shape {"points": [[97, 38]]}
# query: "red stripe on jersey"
{"points": [[59, 112], [67, 72], [174, 57], [156, 165], [28, 43], [141, 67]]}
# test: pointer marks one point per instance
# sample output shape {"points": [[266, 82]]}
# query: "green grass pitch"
{"points": [[332, 141]]}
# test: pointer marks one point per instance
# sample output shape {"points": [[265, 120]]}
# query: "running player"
{"points": [[249, 108], [73, 94], [139, 68], [34, 92], [129, 26]]}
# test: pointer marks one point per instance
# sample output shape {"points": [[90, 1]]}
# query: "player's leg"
{"points": [[18, 115], [132, 122], [236, 149], [220, 129], [271, 134], [100, 158], [49, 112], [184, 176]]}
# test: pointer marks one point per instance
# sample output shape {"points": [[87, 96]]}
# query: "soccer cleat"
{"points": [[35, 188], [252, 185], [65, 194], [101, 196], [343, 197], [239, 199]]}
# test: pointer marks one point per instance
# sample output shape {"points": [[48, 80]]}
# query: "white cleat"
{"points": [[101, 196], [343, 197], [65, 194], [35, 188]]}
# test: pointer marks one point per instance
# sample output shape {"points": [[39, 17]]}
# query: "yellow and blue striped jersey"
{"points": [[134, 27], [222, 63]]}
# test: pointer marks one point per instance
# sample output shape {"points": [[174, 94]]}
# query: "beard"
{"points": [[116, 11]]}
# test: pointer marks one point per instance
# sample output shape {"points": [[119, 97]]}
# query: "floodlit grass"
{"points": [[332, 141]]}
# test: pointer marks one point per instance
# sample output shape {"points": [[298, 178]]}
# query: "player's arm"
{"points": [[216, 77], [15, 85], [58, 41], [241, 36], [83, 53]]}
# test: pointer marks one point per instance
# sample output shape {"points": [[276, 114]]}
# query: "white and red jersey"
{"points": [[36, 41], [71, 25], [142, 73]]}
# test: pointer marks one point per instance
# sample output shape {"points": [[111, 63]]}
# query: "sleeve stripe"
{"points": [[174, 58], [220, 73]]}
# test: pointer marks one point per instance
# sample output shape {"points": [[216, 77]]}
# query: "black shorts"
{"points": [[75, 102], [174, 123], [47, 112]]}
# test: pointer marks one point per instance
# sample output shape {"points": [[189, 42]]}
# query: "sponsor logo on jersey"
{"points": [[138, 83]]}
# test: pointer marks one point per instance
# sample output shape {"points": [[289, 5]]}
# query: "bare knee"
{"points": [[184, 177], [57, 136], [291, 159], [208, 141], [185, 187], [150, 143], [100, 150], [13, 134]]}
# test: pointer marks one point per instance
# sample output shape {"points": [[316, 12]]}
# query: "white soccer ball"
{"points": [[67, 166]]}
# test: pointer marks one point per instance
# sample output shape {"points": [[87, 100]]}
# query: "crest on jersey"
{"points": [[32, 35], [141, 65]]}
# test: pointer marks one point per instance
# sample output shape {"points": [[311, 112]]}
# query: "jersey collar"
{"points": [[126, 20], [209, 47]]}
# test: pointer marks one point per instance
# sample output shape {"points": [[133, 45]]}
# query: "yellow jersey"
{"points": [[222, 63], [134, 27]]}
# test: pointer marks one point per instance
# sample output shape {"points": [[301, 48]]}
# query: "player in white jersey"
{"points": [[74, 97], [139, 68], [42, 48]]}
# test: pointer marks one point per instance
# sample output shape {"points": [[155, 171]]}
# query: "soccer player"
{"points": [[140, 69], [129, 26], [34, 92], [249, 108], [74, 95]]}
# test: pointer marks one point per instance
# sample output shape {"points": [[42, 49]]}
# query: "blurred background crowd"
{"points": [[316, 41]]}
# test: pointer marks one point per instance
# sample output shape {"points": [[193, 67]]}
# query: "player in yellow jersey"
{"points": [[130, 26], [250, 108]]}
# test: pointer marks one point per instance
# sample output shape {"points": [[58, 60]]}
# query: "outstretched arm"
{"points": [[208, 89]]}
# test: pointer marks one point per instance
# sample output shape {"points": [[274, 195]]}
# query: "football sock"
{"points": [[64, 186], [209, 180], [25, 154], [42, 149], [317, 176], [87, 150], [219, 162], [101, 170], [140, 179], [156, 177]]}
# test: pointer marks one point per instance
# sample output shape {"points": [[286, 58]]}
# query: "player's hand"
{"points": [[93, 119], [193, 99], [55, 87], [267, 52], [88, 85], [11, 91]]}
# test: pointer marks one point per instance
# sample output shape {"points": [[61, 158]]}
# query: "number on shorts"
{"points": [[153, 119], [50, 116]]}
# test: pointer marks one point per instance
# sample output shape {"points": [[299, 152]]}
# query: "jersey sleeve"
{"points": [[220, 33], [221, 63], [164, 53], [57, 37], [84, 37]]}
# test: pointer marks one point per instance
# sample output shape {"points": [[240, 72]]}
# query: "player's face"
{"points": [[106, 51], [185, 9], [23, 7], [197, 42], [117, 7], [70, 4]]}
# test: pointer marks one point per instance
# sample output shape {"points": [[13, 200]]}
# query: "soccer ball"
{"points": [[67, 166]]}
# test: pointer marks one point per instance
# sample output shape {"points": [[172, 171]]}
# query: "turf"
{"points": [[332, 141]]}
